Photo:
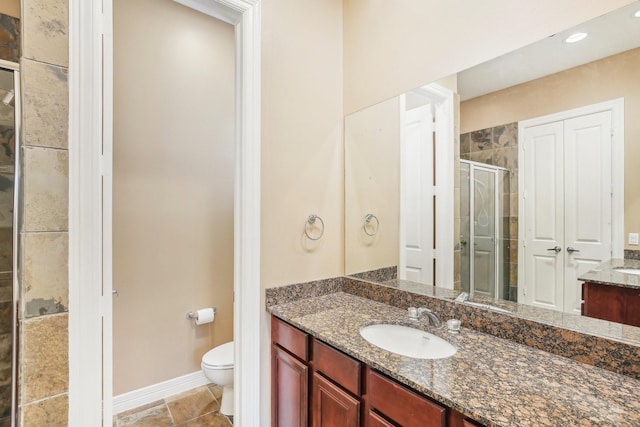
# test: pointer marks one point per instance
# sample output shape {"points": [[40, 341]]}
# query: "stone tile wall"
{"points": [[9, 38], [498, 146], [43, 360]]}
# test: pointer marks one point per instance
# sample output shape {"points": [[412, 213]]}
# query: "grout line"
{"points": [[173, 421]]}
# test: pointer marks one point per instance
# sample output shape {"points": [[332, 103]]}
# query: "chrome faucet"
{"points": [[462, 297], [434, 320], [415, 313]]}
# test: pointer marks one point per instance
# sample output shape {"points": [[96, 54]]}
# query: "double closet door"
{"points": [[567, 208]]}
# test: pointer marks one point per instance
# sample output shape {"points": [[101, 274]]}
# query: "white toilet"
{"points": [[217, 365]]}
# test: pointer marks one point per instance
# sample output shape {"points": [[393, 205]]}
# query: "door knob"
{"points": [[572, 250], [556, 249]]}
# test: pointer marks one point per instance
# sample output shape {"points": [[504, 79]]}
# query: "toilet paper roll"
{"points": [[205, 315]]}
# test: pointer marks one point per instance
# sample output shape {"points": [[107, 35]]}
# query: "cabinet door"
{"points": [[614, 303], [375, 420], [289, 390], [331, 406], [401, 405]]}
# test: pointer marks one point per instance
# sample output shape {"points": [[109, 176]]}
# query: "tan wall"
{"points": [[372, 185], [173, 188], [603, 80], [10, 7], [302, 149], [393, 46]]}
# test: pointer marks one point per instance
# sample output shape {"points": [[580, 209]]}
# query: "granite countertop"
{"points": [[494, 381], [607, 274]]}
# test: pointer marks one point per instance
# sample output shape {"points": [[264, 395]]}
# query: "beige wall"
{"points": [[173, 174], [603, 80], [372, 185], [302, 150], [393, 46], [10, 7]]}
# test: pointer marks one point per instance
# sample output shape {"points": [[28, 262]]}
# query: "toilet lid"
{"points": [[220, 356]]}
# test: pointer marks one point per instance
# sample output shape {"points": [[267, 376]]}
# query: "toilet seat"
{"points": [[220, 357]]}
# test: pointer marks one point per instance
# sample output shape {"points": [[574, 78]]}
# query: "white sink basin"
{"points": [[628, 270], [408, 341]]}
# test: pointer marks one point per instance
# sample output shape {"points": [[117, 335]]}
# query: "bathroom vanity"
{"points": [[324, 373], [314, 381], [612, 292]]}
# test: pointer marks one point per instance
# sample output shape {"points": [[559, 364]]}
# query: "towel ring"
{"points": [[311, 219], [367, 220]]}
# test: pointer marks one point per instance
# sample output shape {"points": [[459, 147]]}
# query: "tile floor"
{"points": [[194, 408]]}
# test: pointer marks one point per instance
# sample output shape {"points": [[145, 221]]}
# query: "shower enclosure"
{"points": [[9, 97], [483, 221]]}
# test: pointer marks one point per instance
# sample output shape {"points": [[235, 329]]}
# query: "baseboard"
{"points": [[145, 395]]}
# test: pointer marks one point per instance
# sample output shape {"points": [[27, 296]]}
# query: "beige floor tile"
{"points": [[157, 416], [210, 420], [192, 404]]}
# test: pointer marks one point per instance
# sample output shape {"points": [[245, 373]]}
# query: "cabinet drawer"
{"points": [[336, 365], [290, 338], [401, 405]]}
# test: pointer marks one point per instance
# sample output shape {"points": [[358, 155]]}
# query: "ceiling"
{"points": [[615, 32]]}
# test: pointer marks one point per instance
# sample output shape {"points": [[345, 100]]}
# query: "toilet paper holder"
{"points": [[193, 315]]}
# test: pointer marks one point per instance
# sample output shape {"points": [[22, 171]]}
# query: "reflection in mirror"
{"points": [[532, 102]]}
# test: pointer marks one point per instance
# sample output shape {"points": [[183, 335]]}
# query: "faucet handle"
{"points": [[413, 313]]}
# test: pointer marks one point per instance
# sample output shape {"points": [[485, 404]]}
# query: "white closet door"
{"points": [[588, 203], [544, 213], [417, 192]]}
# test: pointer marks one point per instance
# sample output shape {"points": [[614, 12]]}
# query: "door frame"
{"points": [[499, 253], [616, 106], [443, 101], [90, 167]]}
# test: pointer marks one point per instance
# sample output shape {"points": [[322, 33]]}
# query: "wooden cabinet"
{"points": [[375, 420], [331, 405], [400, 405], [313, 384], [289, 376], [613, 303], [290, 385]]}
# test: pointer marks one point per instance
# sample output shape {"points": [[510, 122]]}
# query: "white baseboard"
{"points": [[142, 396]]}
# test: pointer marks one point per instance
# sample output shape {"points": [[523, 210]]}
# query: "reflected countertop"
{"points": [[495, 381], [608, 273]]}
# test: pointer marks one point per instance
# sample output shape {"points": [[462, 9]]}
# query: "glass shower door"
{"points": [[484, 231]]}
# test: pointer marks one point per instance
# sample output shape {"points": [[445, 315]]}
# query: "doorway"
{"points": [[571, 206], [173, 184], [90, 163], [426, 180]]}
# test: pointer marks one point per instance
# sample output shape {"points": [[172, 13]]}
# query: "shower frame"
{"points": [[498, 289]]}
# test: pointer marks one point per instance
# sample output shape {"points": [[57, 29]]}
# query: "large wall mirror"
{"points": [[399, 224]]}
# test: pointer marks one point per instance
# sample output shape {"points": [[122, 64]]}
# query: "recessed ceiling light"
{"points": [[637, 14], [576, 37]]}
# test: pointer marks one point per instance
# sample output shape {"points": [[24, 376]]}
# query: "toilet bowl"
{"points": [[217, 365]]}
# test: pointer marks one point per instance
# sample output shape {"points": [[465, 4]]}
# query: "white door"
{"points": [[417, 193], [567, 207], [543, 211], [588, 204]]}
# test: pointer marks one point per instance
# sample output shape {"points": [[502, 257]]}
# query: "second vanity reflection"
{"points": [[489, 136]]}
